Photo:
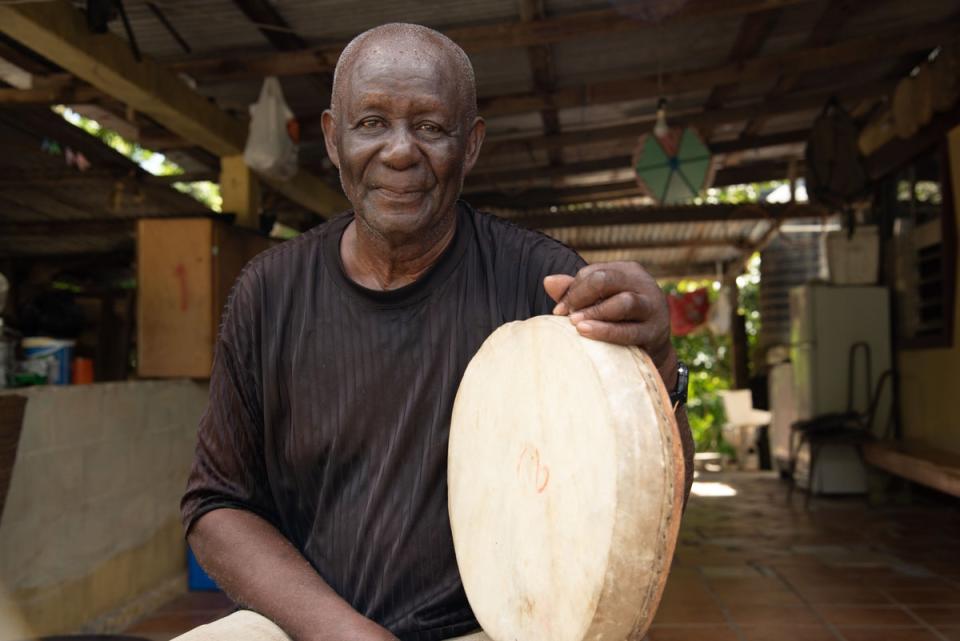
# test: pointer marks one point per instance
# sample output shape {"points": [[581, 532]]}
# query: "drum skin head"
{"points": [[565, 478]]}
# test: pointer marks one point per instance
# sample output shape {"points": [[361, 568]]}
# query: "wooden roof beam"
{"points": [[680, 214], [545, 197], [755, 30], [58, 32], [833, 17], [544, 79], [879, 46], [793, 103], [486, 176], [478, 38], [278, 32]]}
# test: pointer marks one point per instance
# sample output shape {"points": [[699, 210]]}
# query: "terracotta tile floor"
{"points": [[752, 567]]}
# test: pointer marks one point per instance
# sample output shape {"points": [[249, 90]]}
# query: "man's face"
{"points": [[401, 140]]}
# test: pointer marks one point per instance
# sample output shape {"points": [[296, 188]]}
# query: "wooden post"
{"points": [[240, 191], [739, 361]]}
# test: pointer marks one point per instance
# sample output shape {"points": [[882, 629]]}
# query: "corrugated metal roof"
{"points": [[645, 52], [343, 19], [208, 26]]}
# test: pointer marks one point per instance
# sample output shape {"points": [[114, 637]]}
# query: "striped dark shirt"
{"points": [[330, 407]]}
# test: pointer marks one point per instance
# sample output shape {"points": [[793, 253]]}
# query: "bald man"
{"points": [[318, 497]]}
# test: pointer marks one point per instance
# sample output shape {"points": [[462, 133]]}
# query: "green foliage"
{"points": [[153, 162], [708, 357]]}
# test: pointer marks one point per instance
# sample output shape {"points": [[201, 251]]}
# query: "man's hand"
{"points": [[618, 303]]}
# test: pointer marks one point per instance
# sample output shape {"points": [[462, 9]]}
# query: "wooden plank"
{"points": [[91, 227], [544, 80], [545, 197], [554, 29], [833, 16], [867, 49], [175, 320], [917, 462], [806, 101], [50, 95], [58, 32], [680, 214], [279, 33], [693, 243], [495, 177], [185, 271], [240, 191], [754, 31]]}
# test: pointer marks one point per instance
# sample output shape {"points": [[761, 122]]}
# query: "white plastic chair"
{"points": [[743, 420]]}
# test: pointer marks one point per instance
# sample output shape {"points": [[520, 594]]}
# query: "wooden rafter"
{"points": [[281, 36], [754, 31], [834, 15], [481, 176], [478, 38], [871, 48], [544, 80], [806, 101], [545, 197], [691, 243], [661, 215], [58, 32]]}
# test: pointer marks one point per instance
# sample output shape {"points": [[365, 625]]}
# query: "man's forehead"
{"points": [[413, 56]]}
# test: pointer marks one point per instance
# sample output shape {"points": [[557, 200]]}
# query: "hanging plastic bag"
{"points": [[721, 312], [274, 134]]}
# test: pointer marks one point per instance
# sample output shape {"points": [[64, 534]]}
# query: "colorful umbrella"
{"points": [[673, 168]]}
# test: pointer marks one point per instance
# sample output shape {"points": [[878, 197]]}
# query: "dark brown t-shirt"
{"points": [[330, 407]]}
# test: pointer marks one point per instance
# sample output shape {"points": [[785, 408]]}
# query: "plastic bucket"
{"points": [[55, 352]]}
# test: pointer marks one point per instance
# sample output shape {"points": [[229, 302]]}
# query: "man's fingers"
{"points": [[640, 334], [594, 283], [612, 332], [625, 306], [556, 286]]}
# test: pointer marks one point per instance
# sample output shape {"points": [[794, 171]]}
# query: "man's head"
{"points": [[403, 128]]}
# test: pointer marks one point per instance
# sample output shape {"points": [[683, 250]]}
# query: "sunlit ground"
{"points": [[712, 489]]}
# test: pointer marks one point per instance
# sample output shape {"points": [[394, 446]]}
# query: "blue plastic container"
{"points": [[197, 579], [54, 353]]}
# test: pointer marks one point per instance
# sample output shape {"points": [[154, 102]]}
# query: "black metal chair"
{"points": [[851, 427]]}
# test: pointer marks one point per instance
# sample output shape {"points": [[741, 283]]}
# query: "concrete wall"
{"points": [[92, 517], [929, 377]]}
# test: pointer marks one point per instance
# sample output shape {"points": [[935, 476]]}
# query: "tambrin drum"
{"points": [[566, 485]]}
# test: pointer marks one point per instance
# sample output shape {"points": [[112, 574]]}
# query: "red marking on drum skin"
{"points": [[537, 474]]}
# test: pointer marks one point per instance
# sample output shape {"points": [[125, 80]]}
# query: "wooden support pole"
{"points": [[739, 359], [240, 191]]}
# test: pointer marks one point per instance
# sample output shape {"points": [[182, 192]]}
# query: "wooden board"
{"points": [[917, 462], [565, 480], [175, 323], [185, 271]]}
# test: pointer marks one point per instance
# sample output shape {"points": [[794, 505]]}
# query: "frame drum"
{"points": [[566, 481]]}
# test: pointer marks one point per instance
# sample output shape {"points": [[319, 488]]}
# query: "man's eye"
{"points": [[370, 123], [429, 127]]}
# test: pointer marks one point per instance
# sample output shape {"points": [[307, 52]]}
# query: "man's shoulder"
{"points": [[508, 235], [497, 229], [287, 258]]}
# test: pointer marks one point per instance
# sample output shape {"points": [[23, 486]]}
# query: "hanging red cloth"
{"points": [[688, 311]]}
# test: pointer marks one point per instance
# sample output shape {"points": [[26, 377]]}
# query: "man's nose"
{"points": [[400, 151]]}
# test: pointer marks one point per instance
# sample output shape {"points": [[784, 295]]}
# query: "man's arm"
{"points": [[259, 569]]}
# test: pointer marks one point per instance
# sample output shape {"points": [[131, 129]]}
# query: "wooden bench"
{"points": [[917, 462]]}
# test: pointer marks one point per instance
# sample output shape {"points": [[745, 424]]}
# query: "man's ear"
{"points": [[329, 124], [474, 141]]}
